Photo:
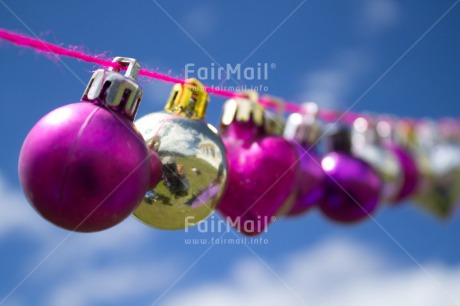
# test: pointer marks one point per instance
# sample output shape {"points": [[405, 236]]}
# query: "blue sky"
{"points": [[397, 57]]}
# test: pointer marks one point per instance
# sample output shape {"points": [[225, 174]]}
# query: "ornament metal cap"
{"points": [[118, 92], [188, 99], [427, 134], [339, 138], [274, 120], [243, 109], [404, 131], [365, 132], [386, 129], [303, 128]]}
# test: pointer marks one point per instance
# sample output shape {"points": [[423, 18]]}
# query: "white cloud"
{"points": [[330, 86], [107, 267], [200, 21], [88, 248], [115, 265], [334, 273], [17, 216], [379, 15], [111, 284], [327, 87], [80, 268], [178, 137], [181, 139]]}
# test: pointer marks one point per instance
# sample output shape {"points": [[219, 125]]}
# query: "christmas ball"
{"points": [[193, 160], [394, 139], [311, 182], [368, 146], [263, 169], [410, 172], [303, 132], [84, 166], [438, 154], [352, 187], [445, 167]]}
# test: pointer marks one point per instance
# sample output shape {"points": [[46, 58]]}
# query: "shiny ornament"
{"points": [[303, 132], [410, 171], [84, 166], [274, 124], [367, 145], [193, 158], [263, 169], [393, 142], [352, 188], [440, 193]]}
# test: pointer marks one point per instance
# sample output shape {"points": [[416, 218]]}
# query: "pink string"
{"points": [[42, 46]]}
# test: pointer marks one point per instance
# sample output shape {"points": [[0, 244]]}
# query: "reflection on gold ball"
{"points": [[194, 171]]}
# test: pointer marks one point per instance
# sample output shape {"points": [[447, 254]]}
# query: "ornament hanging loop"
{"points": [[133, 66], [115, 91]]}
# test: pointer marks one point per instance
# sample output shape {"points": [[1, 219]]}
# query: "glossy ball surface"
{"points": [[352, 188], [387, 165], [85, 168], [311, 181], [440, 193], [263, 173], [194, 171], [410, 172]]}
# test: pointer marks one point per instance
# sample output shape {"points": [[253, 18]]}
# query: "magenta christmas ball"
{"points": [[84, 166], [262, 169], [311, 182], [409, 170], [303, 131], [352, 188]]}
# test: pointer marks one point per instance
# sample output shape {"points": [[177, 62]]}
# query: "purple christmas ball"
{"points": [[311, 181], [86, 168], [262, 177], [409, 169], [352, 188]]}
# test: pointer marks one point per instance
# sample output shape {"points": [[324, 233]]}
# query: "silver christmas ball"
{"points": [[440, 193], [367, 146], [193, 157]]}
